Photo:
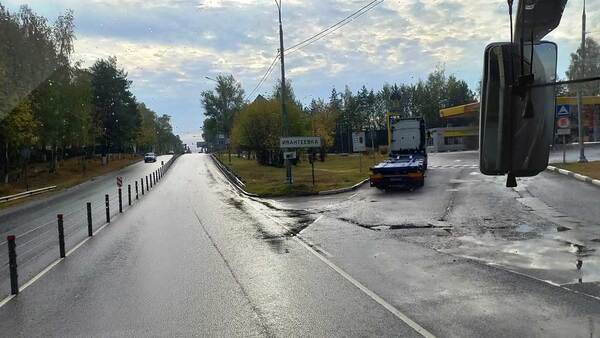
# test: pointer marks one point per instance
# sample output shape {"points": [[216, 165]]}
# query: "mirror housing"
{"points": [[537, 18], [517, 120]]}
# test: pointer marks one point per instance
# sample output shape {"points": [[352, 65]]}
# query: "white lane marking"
{"points": [[414, 325], [351, 197], [323, 251], [6, 300], [502, 267], [40, 275], [318, 219], [52, 265], [418, 328]]}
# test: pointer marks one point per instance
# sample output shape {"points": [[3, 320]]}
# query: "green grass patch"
{"points": [[337, 171], [591, 169]]}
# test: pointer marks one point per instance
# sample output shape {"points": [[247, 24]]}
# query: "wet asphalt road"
{"points": [[189, 260], [34, 223], [196, 258]]}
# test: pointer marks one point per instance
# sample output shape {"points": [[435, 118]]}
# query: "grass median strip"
{"points": [[337, 171], [591, 169]]}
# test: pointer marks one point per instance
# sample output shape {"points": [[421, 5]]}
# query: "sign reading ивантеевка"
{"points": [[300, 142]]}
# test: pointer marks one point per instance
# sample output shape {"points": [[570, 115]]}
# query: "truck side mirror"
{"points": [[517, 109]]}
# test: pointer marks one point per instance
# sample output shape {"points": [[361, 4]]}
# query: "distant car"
{"points": [[150, 157], [171, 152]]}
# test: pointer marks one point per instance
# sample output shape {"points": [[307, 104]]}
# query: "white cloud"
{"points": [[168, 46]]}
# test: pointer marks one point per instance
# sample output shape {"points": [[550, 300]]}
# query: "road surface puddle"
{"points": [[561, 257]]}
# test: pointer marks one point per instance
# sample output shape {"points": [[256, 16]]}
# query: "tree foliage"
{"points": [[52, 106], [221, 105], [591, 68], [115, 106], [258, 127]]}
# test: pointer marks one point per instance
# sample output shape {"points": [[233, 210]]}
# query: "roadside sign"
{"points": [[300, 142], [289, 155], [563, 110], [358, 142], [563, 123], [119, 181]]}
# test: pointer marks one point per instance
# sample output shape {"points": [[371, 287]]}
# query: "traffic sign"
{"points": [[563, 123], [563, 110], [289, 155], [119, 181], [563, 131], [358, 142], [300, 142]]}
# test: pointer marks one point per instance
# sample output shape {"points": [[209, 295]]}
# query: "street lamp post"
{"points": [[582, 157], [288, 164]]}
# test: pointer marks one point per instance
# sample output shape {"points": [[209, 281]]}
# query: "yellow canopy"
{"points": [[473, 108]]}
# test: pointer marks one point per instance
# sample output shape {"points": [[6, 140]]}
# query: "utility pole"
{"points": [[582, 158], [288, 164]]}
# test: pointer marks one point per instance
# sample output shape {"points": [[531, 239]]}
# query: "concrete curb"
{"points": [[343, 190], [576, 176], [238, 184]]}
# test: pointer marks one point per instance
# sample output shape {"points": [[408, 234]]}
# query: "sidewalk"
{"points": [[592, 152]]}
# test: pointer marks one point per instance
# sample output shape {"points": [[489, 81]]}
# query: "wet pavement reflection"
{"points": [[560, 256]]}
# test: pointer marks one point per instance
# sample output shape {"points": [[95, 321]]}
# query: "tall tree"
{"points": [[17, 131], [335, 102], [591, 69], [457, 93], [27, 54], [146, 139], [290, 96], [221, 105], [258, 127], [323, 121], [78, 110], [115, 107]]}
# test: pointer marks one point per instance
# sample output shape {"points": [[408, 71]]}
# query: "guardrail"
{"points": [[26, 194], [32, 249]]}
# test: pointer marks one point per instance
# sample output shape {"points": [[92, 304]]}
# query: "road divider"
{"points": [[26, 194], [89, 219], [12, 262], [61, 235], [38, 243]]}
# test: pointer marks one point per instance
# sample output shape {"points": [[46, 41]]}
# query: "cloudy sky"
{"points": [[169, 46]]}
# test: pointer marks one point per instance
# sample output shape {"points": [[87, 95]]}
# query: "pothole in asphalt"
{"points": [[402, 226], [561, 228], [406, 226], [235, 203], [278, 245], [524, 228]]}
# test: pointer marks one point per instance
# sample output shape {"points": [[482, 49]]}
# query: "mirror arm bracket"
{"points": [[560, 83]]}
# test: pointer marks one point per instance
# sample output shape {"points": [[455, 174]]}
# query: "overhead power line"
{"points": [[308, 41], [331, 29], [265, 76]]}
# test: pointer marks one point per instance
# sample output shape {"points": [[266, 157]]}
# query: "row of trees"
{"points": [[257, 126], [52, 108]]}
